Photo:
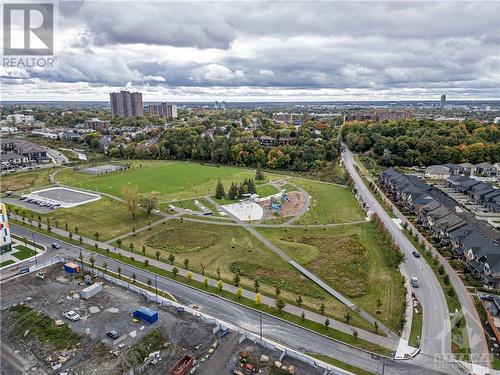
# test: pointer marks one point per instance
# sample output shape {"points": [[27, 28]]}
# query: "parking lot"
{"points": [[163, 342]]}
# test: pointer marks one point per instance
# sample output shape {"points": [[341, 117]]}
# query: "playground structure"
{"points": [[276, 202]]}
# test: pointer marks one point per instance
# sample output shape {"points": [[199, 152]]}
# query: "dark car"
{"points": [[113, 334], [416, 254], [55, 245]]}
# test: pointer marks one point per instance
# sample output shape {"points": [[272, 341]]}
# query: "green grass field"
{"points": [[6, 263], [353, 260], [230, 249], [22, 252], [329, 204], [173, 180], [107, 216]]}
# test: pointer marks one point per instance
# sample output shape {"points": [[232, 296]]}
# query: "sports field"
{"points": [[353, 260], [173, 180]]}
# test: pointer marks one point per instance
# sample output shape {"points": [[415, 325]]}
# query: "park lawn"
{"points": [[26, 180], [6, 263], [266, 190], [173, 180], [22, 252], [107, 216], [354, 260], [231, 248], [329, 203]]}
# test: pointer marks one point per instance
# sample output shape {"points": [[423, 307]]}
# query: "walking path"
{"points": [[306, 272], [387, 342]]}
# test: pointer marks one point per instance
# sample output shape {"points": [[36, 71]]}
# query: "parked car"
{"points": [[71, 315], [23, 198], [113, 334], [414, 282], [55, 245], [416, 254]]}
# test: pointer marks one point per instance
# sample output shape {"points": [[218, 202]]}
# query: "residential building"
{"points": [[437, 172], [96, 124], [283, 117], [162, 110], [486, 169], [126, 104], [5, 237], [379, 116], [20, 118], [266, 140], [18, 152], [467, 168], [443, 101], [471, 240]]}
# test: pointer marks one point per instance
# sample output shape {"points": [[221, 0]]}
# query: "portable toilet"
{"points": [[71, 267], [146, 314]]}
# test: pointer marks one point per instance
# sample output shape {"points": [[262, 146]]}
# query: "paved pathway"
{"points": [[306, 272]]}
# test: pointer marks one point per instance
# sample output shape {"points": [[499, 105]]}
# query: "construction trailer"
{"points": [[71, 267], [91, 291], [147, 314]]}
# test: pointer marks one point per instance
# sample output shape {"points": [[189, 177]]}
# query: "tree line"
{"points": [[239, 148], [424, 142]]}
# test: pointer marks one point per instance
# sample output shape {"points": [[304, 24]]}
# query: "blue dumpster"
{"points": [[146, 314]]}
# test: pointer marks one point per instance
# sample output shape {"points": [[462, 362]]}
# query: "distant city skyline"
{"points": [[183, 51]]}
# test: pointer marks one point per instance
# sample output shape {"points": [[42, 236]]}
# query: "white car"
{"points": [[71, 315]]}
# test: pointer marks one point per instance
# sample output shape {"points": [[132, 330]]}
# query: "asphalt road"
{"points": [[436, 328], [247, 318], [436, 332]]}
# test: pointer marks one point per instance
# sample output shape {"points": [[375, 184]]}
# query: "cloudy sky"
{"points": [[251, 51]]}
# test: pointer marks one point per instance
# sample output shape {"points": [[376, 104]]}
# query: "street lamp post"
{"points": [[34, 245], [156, 290]]}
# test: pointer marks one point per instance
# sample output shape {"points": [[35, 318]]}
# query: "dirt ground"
{"points": [[292, 208], [164, 341]]}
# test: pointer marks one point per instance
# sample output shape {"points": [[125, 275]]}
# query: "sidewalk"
{"points": [[387, 342]]}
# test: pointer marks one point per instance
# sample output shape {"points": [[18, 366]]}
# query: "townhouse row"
{"points": [[470, 240]]}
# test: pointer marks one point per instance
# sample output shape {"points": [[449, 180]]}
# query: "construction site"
{"points": [[62, 321]]}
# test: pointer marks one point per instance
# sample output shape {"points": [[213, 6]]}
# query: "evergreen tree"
{"points": [[233, 191], [251, 186], [259, 176], [219, 191]]}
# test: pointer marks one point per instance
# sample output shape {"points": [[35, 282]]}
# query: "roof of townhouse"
{"points": [[469, 183], [439, 212], [493, 261], [461, 232], [475, 240], [4, 156], [437, 169], [484, 165], [450, 221], [456, 179], [482, 186], [451, 166], [466, 165], [432, 205]]}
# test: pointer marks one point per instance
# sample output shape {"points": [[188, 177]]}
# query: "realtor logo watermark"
{"points": [[28, 35]]}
